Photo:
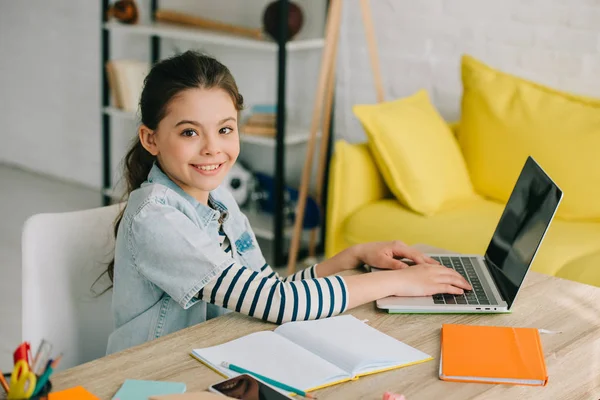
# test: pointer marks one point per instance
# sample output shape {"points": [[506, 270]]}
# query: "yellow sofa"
{"points": [[361, 208]]}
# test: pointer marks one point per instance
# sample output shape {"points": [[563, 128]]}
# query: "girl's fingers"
{"points": [[463, 282], [450, 289], [452, 277], [395, 264], [408, 252], [430, 260], [457, 280]]}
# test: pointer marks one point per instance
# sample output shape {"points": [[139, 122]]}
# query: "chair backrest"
{"points": [[63, 255]]}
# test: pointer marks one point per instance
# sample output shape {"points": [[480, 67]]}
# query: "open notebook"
{"points": [[310, 355]]}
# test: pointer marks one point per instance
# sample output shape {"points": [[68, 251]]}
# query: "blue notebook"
{"points": [[140, 390]]}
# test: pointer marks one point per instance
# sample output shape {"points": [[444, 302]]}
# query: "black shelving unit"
{"points": [[280, 250], [278, 240]]}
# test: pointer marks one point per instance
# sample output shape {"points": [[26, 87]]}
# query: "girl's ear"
{"points": [[148, 139]]}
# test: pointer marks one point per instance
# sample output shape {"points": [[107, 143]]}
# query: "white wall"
{"points": [[50, 81], [554, 42], [49, 87]]}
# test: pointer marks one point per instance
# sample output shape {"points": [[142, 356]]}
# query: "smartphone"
{"points": [[247, 387]]}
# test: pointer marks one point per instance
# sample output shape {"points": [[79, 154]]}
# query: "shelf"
{"points": [[173, 31], [293, 135], [262, 225]]}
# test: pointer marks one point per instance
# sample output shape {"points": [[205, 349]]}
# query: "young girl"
{"points": [[185, 252]]}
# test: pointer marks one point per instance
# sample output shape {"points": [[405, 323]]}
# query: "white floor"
{"points": [[23, 194]]}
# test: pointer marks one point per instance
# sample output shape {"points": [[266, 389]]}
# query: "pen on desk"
{"points": [[270, 381], [46, 376], [4, 383]]}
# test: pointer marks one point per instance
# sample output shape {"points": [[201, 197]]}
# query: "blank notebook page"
{"points": [[272, 355], [351, 344]]}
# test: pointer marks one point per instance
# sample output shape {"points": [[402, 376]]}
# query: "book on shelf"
{"points": [[126, 81], [258, 130], [262, 121]]}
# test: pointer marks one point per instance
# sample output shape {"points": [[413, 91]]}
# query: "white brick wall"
{"points": [[553, 42]]}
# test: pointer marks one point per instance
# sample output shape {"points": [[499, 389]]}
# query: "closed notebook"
{"points": [[313, 354], [141, 389], [492, 354]]}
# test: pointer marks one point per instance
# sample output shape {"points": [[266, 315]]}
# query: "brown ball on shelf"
{"points": [[295, 19], [125, 11]]}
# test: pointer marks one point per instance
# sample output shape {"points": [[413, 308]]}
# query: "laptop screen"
{"points": [[522, 227]]}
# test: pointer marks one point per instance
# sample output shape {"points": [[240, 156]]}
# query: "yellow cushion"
{"points": [[468, 229], [416, 153], [505, 119]]}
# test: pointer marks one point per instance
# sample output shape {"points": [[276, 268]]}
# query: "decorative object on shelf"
{"points": [[126, 80], [311, 215], [125, 11], [261, 122], [257, 196], [239, 182], [271, 18], [175, 17]]}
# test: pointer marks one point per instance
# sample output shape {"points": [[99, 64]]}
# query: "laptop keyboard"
{"points": [[464, 266]]}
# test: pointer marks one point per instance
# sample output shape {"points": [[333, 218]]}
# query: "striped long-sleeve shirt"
{"points": [[263, 294]]}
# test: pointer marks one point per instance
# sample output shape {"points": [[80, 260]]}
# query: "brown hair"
{"points": [[167, 79]]}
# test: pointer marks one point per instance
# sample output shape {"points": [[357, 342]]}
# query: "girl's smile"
{"points": [[208, 169]]}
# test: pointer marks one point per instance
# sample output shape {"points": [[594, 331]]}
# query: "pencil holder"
{"points": [[42, 395]]}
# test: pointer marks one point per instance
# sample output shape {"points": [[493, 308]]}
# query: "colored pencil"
{"points": [[3, 382]]}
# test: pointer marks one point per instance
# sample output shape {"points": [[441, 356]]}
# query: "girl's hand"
{"points": [[386, 255], [426, 280]]}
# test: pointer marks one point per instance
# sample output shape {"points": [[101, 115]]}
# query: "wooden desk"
{"points": [[572, 357]]}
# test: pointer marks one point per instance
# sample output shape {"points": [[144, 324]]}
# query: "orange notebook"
{"points": [[74, 393], [492, 354]]}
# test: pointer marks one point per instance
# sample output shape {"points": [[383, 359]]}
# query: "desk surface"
{"points": [[572, 357]]}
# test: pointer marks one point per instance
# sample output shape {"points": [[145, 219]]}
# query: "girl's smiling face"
{"points": [[197, 141]]}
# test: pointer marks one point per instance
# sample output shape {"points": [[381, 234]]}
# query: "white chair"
{"points": [[63, 255]]}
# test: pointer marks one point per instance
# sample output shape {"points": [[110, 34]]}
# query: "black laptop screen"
{"points": [[522, 226]]}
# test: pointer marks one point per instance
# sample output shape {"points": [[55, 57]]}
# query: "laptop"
{"points": [[497, 276]]}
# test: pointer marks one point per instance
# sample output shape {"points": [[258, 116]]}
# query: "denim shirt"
{"points": [[167, 249]]}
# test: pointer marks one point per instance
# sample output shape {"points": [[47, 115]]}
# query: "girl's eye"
{"points": [[226, 130], [189, 133]]}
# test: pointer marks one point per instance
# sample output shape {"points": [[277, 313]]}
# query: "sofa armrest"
{"points": [[354, 181]]}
